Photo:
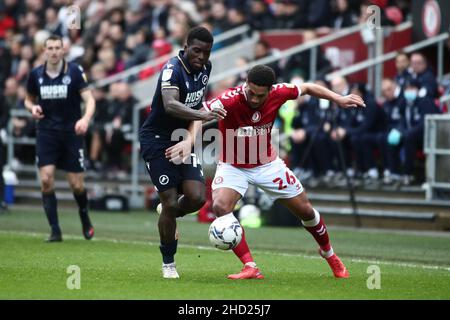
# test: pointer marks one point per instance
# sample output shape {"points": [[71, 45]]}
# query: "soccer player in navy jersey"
{"points": [[176, 103], [55, 91]]}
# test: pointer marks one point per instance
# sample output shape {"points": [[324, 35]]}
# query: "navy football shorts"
{"points": [[164, 174], [59, 148]]}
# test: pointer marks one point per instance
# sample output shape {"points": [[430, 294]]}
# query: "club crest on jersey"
{"points": [[256, 116], [41, 80], [218, 180], [163, 179], [66, 80], [205, 79]]}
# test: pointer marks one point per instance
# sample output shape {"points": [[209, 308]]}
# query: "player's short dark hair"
{"points": [[200, 33], [53, 37], [261, 75]]}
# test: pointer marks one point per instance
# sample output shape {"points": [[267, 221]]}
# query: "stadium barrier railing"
{"points": [[437, 150], [438, 40]]}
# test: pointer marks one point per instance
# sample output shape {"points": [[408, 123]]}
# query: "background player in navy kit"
{"points": [[176, 103], [54, 93]]}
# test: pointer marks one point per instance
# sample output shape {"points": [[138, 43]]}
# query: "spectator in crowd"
{"points": [[310, 144], [337, 125], [97, 130], [409, 135], [138, 48], [394, 110], [261, 17], [52, 23], [351, 128], [424, 75], [403, 69], [343, 15], [318, 13], [120, 112], [289, 14], [369, 128], [14, 95]]}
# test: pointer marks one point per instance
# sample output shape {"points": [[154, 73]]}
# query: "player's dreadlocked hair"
{"points": [[261, 75], [200, 33]]}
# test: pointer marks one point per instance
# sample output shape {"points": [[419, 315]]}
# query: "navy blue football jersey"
{"points": [[58, 97], [176, 73]]}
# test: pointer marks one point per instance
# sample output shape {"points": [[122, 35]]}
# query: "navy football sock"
{"points": [[50, 208], [82, 202], [168, 251]]}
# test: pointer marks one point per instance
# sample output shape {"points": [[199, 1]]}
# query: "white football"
{"points": [[225, 233]]}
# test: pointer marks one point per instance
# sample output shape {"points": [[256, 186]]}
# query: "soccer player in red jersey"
{"points": [[248, 157]]}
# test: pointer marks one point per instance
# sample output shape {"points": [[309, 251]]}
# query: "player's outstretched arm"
{"points": [[315, 90], [82, 125], [173, 106]]}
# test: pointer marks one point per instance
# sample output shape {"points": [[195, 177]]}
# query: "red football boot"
{"points": [[247, 273], [336, 265]]}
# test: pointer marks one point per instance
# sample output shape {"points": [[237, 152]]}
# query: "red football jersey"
{"points": [[245, 131]]}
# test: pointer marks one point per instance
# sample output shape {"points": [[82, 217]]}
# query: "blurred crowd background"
{"points": [[380, 143]]}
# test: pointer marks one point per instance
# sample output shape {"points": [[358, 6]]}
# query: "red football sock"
{"points": [[319, 231], [242, 251]]}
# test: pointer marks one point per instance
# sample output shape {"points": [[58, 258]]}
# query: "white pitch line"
{"points": [[299, 255]]}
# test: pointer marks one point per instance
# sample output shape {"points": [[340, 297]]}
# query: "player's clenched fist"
{"points": [[81, 126], [36, 112]]}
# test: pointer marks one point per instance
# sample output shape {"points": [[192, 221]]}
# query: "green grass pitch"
{"points": [[123, 262]]}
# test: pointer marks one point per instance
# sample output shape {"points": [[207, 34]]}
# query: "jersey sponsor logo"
{"points": [[54, 92], [193, 98], [164, 179], [250, 131], [66, 80], [256, 116], [167, 74]]}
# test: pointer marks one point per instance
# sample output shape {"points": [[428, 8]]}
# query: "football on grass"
{"points": [[225, 234]]}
